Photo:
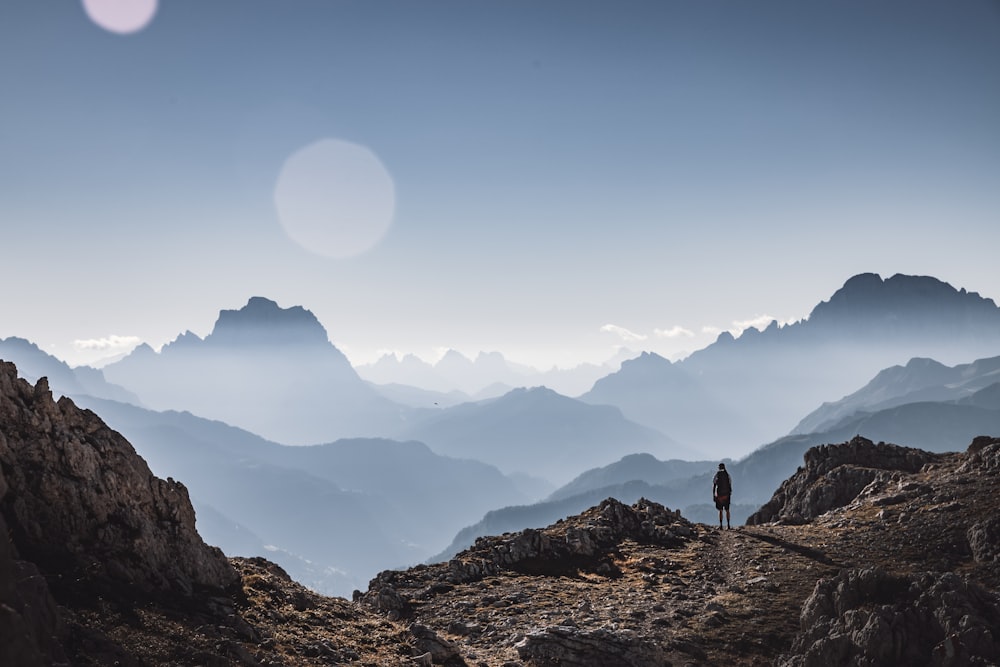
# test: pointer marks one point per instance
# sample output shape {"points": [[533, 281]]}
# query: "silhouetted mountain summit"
{"points": [[908, 305], [267, 369], [263, 322]]}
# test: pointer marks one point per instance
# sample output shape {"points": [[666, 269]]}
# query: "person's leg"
{"points": [[728, 525], [720, 518]]}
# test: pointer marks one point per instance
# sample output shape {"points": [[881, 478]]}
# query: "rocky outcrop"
{"points": [[84, 507], [587, 545], [870, 617], [982, 456], [834, 475]]}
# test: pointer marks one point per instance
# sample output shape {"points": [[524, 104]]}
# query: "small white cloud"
{"points": [[675, 331], [760, 323], [622, 332], [709, 329], [108, 343]]}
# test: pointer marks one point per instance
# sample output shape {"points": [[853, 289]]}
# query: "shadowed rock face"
{"points": [[871, 615], [82, 517], [79, 501]]}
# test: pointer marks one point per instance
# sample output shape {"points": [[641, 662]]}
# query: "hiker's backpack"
{"points": [[723, 485]]}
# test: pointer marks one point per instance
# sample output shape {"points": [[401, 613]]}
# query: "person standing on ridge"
{"points": [[722, 489]]}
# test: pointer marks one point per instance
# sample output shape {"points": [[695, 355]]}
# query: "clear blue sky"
{"points": [[543, 178]]}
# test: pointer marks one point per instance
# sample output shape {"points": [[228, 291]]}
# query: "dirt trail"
{"points": [[762, 576]]}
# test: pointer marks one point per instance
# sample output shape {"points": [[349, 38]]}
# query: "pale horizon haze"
{"points": [[550, 180]]}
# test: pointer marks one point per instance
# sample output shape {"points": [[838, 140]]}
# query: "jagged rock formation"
{"points": [[100, 564], [564, 548], [117, 525], [834, 475], [869, 616]]}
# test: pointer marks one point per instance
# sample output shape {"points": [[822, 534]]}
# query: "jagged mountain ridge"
{"points": [[616, 584], [488, 374]]}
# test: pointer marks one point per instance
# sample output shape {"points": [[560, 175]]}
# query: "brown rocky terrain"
{"points": [[870, 554]]}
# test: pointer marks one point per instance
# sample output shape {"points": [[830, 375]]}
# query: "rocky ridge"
{"points": [[100, 564]]}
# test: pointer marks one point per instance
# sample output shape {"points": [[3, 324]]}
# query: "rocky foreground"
{"points": [[870, 554]]}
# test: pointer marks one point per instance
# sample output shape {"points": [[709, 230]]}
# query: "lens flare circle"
{"points": [[335, 198], [121, 16]]}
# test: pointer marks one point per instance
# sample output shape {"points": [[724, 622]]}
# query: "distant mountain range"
{"points": [[736, 393], [528, 432], [273, 371], [487, 376]]}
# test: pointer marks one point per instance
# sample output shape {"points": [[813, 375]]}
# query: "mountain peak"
{"points": [[264, 322], [867, 297]]}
